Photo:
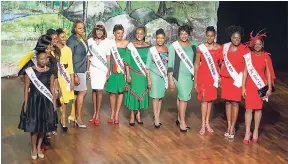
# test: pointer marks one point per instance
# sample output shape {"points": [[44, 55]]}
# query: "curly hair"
{"points": [[186, 28], [235, 29], [210, 28], [75, 24], [101, 28]]}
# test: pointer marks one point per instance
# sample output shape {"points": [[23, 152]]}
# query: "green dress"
{"points": [[158, 84], [117, 83], [137, 96], [181, 75]]}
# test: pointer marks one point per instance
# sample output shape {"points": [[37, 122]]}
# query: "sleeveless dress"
{"points": [[206, 90], [181, 75], [253, 100], [229, 91], [117, 82], [39, 116], [158, 84], [137, 96]]}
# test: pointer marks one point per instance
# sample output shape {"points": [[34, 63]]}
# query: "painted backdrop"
{"points": [[23, 22]]}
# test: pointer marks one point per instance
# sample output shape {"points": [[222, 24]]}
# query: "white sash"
{"points": [[159, 65], [183, 56], [63, 72], [141, 65], [117, 57], [83, 42], [211, 64], [236, 77], [39, 85], [94, 52], [254, 74]]}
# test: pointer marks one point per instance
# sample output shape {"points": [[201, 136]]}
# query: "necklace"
{"points": [[42, 69]]}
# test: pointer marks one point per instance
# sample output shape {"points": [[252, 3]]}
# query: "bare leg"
{"points": [[132, 119], [155, 110], [204, 113], [228, 107], [112, 104], [257, 117], [209, 106], [248, 119], [178, 109], [63, 114], [80, 101], [34, 137], [94, 100], [119, 103], [235, 109], [72, 113], [182, 111], [99, 103], [159, 109], [139, 115]]}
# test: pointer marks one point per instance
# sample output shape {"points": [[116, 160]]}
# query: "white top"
{"points": [[103, 49]]}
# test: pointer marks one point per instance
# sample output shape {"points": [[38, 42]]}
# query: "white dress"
{"points": [[98, 70]]}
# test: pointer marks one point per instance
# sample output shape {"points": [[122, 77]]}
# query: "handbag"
{"points": [[262, 91]]}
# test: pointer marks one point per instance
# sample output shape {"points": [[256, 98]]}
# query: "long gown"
{"points": [[39, 116], [117, 82], [253, 100], [229, 91], [137, 96], [158, 84], [206, 90], [181, 75]]}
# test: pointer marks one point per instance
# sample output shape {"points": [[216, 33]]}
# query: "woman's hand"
{"points": [[72, 86], [107, 75], [129, 80], [25, 108], [88, 75], [269, 92], [196, 87], [171, 84], [244, 92], [149, 84]]}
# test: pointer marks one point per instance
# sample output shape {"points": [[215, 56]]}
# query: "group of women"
{"points": [[133, 71]]}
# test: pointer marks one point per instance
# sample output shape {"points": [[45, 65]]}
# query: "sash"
{"points": [[63, 72], [141, 65], [84, 44], [117, 57], [94, 52], [254, 74], [183, 56], [159, 65], [39, 85], [236, 77], [211, 64]]}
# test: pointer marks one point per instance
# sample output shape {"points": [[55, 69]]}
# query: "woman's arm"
{"points": [[245, 73], [269, 92], [26, 91], [196, 66], [171, 59], [52, 89], [108, 66]]}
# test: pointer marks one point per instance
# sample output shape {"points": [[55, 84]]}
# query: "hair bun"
{"points": [[160, 31]]}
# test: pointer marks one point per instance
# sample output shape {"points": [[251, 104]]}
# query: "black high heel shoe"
{"points": [[64, 127], [154, 120], [183, 131], [178, 124], [138, 122], [157, 126]]}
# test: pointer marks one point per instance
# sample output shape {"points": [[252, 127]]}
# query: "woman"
{"points": [[98, 66], [137, 96], [79, 49], [207, 76], [258, 66], [37, 115], [117, 83], [157, 63], [180, 68], [231, 79], [65, 75]]}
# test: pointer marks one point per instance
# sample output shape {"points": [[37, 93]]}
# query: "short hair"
{"points": [[59, 31], [101, 28], [75, 24], [43, 43], [210, 28], [51, 31], [118, 27], [185, 28], [235, 29], [160, 31]]}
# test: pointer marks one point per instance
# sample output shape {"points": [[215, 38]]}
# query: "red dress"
{"points": [[229, 91], [205, 81], [253, 100]]}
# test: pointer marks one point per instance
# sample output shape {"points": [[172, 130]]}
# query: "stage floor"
{"points": [[144, 144]]}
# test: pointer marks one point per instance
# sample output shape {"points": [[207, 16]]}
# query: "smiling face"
{"points": [[140, 34], [236, 38], [258, 46], [160, 39], [42, 59], [54, 39], [119, 34], [62, 38], [79, 29], [99, 34], [210, 37], [183, 36]]}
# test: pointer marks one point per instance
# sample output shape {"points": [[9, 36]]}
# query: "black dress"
{"points": [[40, 115]]}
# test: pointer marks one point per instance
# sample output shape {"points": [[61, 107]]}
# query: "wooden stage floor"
{"points": [[144, 144]]}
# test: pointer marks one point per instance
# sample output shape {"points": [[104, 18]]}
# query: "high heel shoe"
{"points": [[255, 140], [80, 125], [40, 155], [178, 124], [33, 156], [71, 119], [157, 126], [92, 120], [232, 136], [138, 122], [183, 130], [203, 130], [246, 142], [154, 121], [110, 120], [209, 129], [116, 121]]}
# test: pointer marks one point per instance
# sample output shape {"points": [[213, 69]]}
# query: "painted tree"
{"points": [[52, 4], [162, 8], [128, 7]]}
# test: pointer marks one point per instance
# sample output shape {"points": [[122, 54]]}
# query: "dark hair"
{"points": [[59, 31], [101, 28], [50, 32], [118, 27], [75, 24], [185, 28], [160, 31], [42, 43], [142, 28], [210, 28], [235, 29]]}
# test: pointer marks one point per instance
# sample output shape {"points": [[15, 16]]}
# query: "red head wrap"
{"points": [[252, 40]]}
